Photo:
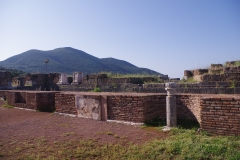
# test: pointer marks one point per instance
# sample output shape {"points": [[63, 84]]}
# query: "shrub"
{"points": [[96, 90]]}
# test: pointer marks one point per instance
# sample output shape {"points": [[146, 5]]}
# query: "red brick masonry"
{"points": [[217, 114]]}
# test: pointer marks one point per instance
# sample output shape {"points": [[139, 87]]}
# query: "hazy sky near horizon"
{"points": [[168, 36]]}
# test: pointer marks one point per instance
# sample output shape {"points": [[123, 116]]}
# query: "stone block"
{"points": [[63, 79], [77, 78]]}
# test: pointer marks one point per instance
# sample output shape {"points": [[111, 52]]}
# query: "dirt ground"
{"points": [[18, 126]]}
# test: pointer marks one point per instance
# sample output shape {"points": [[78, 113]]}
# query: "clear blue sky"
{"points": [[168, 36]]}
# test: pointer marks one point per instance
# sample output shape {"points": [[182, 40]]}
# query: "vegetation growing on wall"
{"points": [[96, 89], [188, 80]]}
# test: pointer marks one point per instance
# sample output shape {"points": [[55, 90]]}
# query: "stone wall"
{"points": [[195, 88], [37, 81], [221, 77], [88, 106], [217, 72], [118, 80]]}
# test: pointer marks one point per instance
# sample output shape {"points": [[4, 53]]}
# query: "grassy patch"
{"points": [[96, 90], [189, 80], [114, 75], [237, 63], [183, 143], [6, 105]]}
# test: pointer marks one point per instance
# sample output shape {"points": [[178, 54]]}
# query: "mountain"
{"points": [[69, 60]]}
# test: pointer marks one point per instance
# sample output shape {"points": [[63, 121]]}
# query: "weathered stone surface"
{"points": [[77, 78], [63, 79], [88, 107]]}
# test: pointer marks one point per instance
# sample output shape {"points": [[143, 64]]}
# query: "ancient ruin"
{"points": [[216, 73], [5, 80], [215, 104]]}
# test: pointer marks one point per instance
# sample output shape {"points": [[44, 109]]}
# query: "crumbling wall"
{"points": [[100, 79], [225, 77], [217, 72]]}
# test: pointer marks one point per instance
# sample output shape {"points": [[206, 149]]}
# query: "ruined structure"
{"points": [[216, 114], [215, 111], [63, 79], [216, 73], [36, 82], [77, 78], [5, 80]]}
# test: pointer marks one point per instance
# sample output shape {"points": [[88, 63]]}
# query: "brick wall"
{"points": [[65, 103], [135, 108], [188, 107], [221, 114], [217, 114], [37, 100], [45, 101], [142, 108]]}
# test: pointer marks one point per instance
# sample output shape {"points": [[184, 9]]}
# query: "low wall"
{"points": [[103, 79], [220, 115], [221, 77], [65, 103], [37, 100], [133, 107], [136, 108], [82, 104], [188, 107], [217, 114], [195, 88]]}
